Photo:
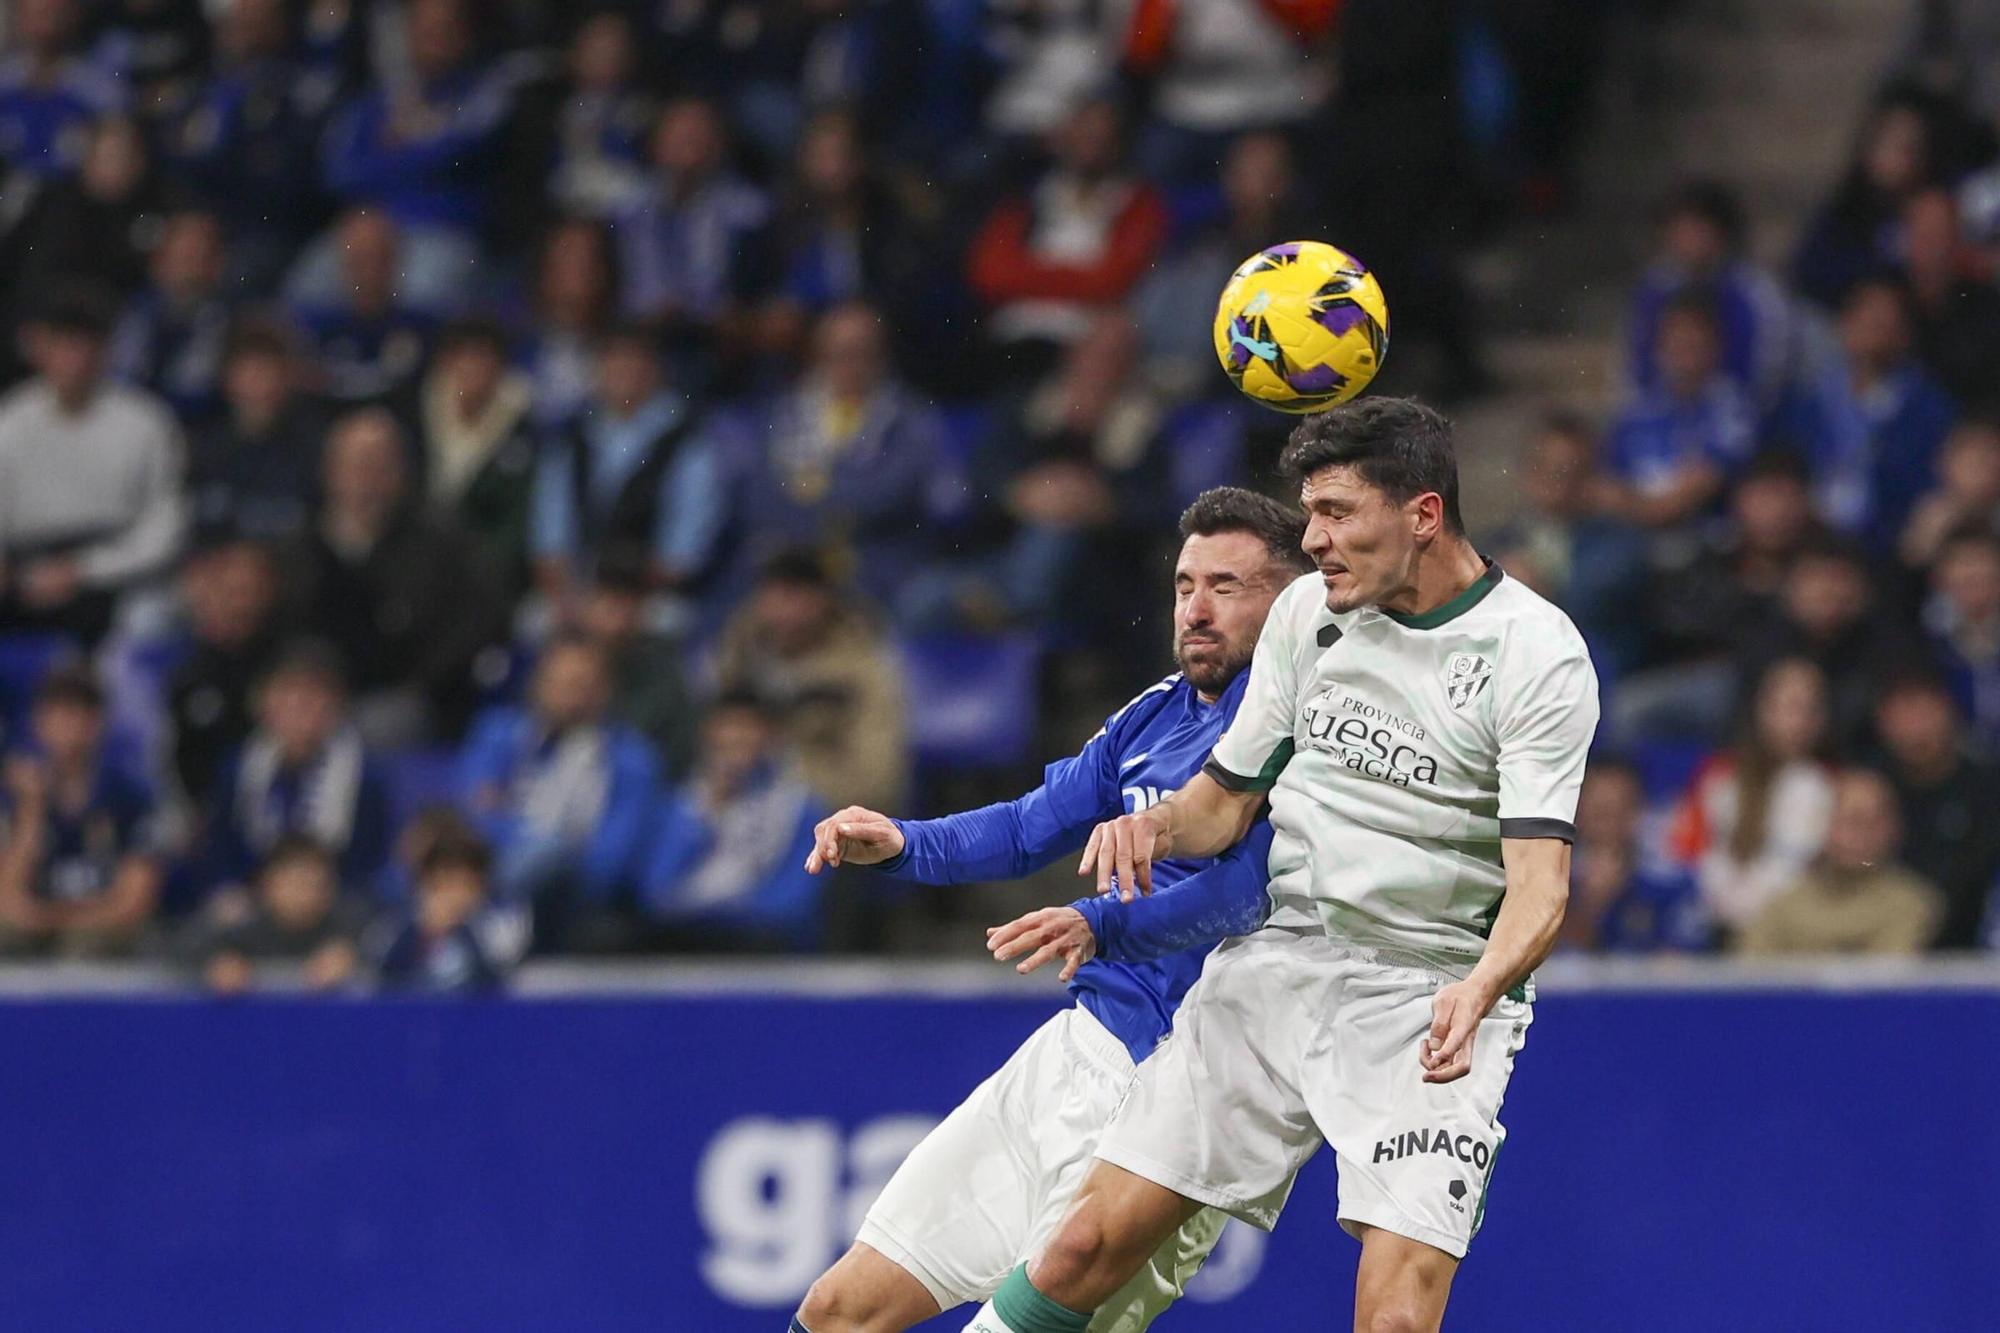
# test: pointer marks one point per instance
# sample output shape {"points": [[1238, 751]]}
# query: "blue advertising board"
{"points": [[1676, 1160]]}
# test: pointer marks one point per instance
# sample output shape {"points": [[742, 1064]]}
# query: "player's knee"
{"points": [[1392, 1316], [832, 1306], [1071, 1259]]}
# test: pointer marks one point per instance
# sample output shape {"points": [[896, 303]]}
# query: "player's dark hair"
{"points": [[1397, 445], [1280, 527]]}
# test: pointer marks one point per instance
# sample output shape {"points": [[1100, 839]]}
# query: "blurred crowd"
{"points": [[482, 477], [1783, 549]]}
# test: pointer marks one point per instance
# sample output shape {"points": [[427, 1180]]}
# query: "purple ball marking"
{"points": [[1343, 319], [1316, 379], [1289, 250]]}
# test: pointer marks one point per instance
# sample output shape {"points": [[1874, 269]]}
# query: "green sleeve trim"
{"points": [[1267, 776]]}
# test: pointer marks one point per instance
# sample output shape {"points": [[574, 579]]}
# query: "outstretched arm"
{"points": [[1000, 841], [1228, 898], [1203, 818]]}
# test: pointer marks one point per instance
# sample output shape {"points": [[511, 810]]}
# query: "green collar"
{"points": [[1454, 608]]}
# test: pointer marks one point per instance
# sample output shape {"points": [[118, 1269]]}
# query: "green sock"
{"points": [[1028, 1311]]}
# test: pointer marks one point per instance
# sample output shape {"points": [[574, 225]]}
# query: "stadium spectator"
{"points": [[1703, 249], [170, 339], [1049, 262], [439, 948], [229, 587], [255, 468], [1674, 445], [561, 793], [1736, 578], [1047, 56], [802, 643], [300, 919], [158, 49], [48, 93], [1757, 815], [841, 235], [248, 140], [1955, 315], [422, 151], [1855, 232], [1071, 484], [1706, 601], [1826, 614], [408, 597], [1593, 568], [1174, 307], [1871, 420], [726, 867], [845, 462], [573, 299], [1217, 70], [650, 690], [90, 502], [79, 872], [1945, 791], [1857, 898], [692, 248], [1963, 616], [478, 446], [1967, 494], [368, 344], [303, 770], [89, 227], [585, 137], [1624, 896], [638, 472]]}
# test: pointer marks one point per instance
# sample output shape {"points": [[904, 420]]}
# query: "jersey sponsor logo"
{"points": [[1416, 1142], [1144, 798], [1465, 675], [1368, 739]]}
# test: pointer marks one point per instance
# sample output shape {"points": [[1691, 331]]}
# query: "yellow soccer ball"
{"points": [[1301, 326]]}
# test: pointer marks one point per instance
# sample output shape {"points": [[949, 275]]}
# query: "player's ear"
{"points": [[1426, 515]]}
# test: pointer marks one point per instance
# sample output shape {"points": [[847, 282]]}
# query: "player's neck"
{"points": [[1443, 573]]}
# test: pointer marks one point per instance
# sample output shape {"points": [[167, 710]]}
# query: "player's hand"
{"points": [[854, 836], [1052, 932], [1126, 847], [1446, 1052]]}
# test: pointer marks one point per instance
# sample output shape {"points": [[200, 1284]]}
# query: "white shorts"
{"points": [[1290, 1040], [986, 1188]]}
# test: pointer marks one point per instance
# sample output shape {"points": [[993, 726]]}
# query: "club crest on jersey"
{"points": [[1464, 677]]}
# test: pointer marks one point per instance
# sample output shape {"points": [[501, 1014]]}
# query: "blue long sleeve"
{"points": [[1228, 898], [1011, 838]]}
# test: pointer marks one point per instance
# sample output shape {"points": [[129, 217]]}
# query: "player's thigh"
{"points": [[1401, 1285], [1415, 1158], [965, 1206], [1217, 1113], [866, 1289], [1164, 1277]]}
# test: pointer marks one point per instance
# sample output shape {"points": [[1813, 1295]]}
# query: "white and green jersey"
{"points": [[1398, 751]]}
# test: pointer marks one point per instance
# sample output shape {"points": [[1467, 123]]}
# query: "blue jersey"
{"points": [[1147, 959]]}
